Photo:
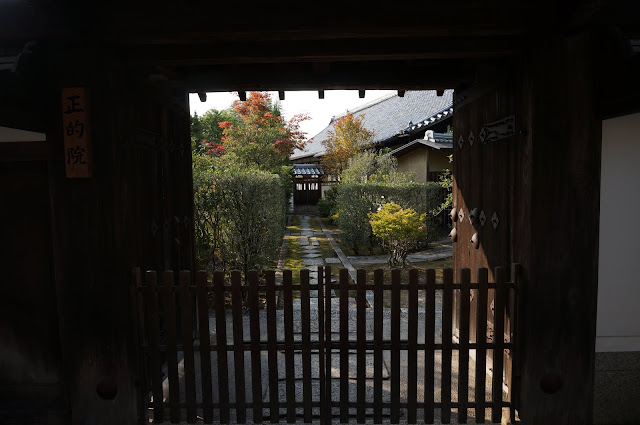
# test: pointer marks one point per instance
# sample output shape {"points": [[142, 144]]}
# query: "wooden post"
{"points": [[560, 248], [542, 182]]}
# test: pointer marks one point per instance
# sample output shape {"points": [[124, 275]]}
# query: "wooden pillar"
{"points": [[137, 199], [543, 183], [557, 238]]}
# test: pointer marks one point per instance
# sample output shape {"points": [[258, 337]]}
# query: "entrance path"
{"points": [[312, 258]]}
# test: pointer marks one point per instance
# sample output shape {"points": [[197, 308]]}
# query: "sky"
{"points": [[335, 102]]}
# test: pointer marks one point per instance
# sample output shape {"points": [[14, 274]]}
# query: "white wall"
{"points": [[618, 321]]}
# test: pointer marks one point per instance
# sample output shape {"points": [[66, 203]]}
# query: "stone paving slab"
{"points": [[313, 261], [303, 240], [314, 241]]}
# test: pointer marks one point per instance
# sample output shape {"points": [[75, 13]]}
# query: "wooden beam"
{"points": [[344, 76], [203, 96], [281, 94], [320, 94], [361, 94], [401, 93], [242, 95], [319, 51], [186, 22]]}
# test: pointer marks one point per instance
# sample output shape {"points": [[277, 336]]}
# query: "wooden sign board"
{"points": [[77, 132]]}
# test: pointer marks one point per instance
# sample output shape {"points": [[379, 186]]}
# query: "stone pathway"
{"points": [[311, 259], [312, 256], [335, 361]]}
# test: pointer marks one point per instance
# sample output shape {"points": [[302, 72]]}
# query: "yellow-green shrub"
{"points": [[398, 228]]}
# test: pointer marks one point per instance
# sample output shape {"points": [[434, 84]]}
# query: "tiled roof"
{"points": [[391, 115], [433, 119], [433, 140], [306, 169]]}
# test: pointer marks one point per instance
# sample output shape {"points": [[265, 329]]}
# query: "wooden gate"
{"points": [[321, 350]]}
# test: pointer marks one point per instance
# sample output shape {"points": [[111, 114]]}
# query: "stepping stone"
{"points": [[313, 262], [314, 241], [332, 260], [310, 248], [302, 240], [306, 233], [311, 255]]}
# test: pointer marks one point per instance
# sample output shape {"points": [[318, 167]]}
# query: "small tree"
{"points": [[372, 167], [399, 229], [446, 182], [347, 138], [261, 138], [206, 134]]}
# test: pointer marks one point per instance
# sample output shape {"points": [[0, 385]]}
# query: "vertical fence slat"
{"points": [[137, 315], [498, 341], [306, 344], [169, 305], [238, 349], [395, 346], [463, 352], [514, 387], [221, 343], [328, 416], [186, 318], [321, 351], [447, 300], [361, 332], [205, 353], [429, 341], [481, 344], [288, 346], [344, 346], [272, 341], [254, 333], [412, 354], [153, 321], [378, 278]]}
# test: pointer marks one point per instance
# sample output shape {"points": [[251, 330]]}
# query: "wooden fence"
{"points": [[259, 351]]}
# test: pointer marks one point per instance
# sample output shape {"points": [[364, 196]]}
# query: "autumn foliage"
{"points": [[262, 137], [347, 138]]}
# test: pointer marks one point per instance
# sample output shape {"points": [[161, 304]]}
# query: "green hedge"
{"points": [[240, 215], [327, 204], [354, 201]]}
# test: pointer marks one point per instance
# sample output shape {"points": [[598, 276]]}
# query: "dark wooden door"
{"points": [[30, 374], [307, 191], [485, 189]]}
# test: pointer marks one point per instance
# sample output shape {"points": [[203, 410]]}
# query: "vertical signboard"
{"points": [[77, 132]]}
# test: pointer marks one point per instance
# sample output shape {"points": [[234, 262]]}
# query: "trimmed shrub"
{"points": [[399, 229], [240, 215], [356, 200], [327, 204]]}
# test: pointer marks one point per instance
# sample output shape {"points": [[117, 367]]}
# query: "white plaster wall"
{"points": [[618, 320]]}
